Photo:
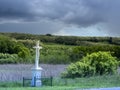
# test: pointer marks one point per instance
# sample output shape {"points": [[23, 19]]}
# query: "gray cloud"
{"points": [[42, 27], [81, 13], [14, 9]]}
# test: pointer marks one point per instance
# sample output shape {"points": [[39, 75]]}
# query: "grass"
{"points": [[91, 82], [70, 84], [40, 88]]}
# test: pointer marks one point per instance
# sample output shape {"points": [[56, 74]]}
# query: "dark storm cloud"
{"points": [[79, 12], [82, 13], [14, 9]]}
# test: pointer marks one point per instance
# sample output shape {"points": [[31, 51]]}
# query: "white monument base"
{"points": [[36, 77]]}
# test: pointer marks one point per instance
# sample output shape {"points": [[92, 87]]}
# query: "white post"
{"points": [[36, 71]]}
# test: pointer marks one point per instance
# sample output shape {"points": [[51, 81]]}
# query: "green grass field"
{"points": [[69, 84], [40, 88]]}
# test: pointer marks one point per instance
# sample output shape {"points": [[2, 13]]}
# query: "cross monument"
{"points": [[36, 71]]}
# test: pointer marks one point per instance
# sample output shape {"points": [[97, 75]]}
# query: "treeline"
{"points": [[66, 40], [18, 48], [67, 54], [10, 47], [80, 51]]}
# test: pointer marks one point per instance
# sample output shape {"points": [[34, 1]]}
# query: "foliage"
{"points": [[54, 54], [103, 62], [78, 69], [6, 45], [22, 51], [56, 49], [8, 58], [81, 51], [98, 63], [67, 40], [11, 46]]}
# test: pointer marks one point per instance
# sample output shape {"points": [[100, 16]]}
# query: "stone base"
{"points": [[36, 77]]}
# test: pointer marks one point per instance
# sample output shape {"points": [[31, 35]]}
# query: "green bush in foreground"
{"points": [[99, 63]]}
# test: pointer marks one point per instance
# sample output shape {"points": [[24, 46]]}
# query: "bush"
{"points": [[78, 69], [22, 51], [8, 58], [103, 62], [98, 63]]}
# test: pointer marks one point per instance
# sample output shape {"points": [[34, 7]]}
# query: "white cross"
{"points": [[37, 47]]}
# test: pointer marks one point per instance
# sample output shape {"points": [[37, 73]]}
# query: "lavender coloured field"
{"points": [[16, 72]]}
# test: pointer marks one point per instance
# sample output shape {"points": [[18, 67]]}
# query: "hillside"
{"points": [[66, 40], [18, 47]]}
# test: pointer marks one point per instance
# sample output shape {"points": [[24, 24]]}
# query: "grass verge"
{"points": [[69, 84], [40, 88]]}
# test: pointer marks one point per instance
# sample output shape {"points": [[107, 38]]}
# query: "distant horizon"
{"points": [[58, 35]]}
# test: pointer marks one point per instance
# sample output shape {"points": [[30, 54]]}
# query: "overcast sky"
{"points": [[61, 17]]}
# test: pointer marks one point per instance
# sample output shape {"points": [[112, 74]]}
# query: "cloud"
{"points": [[78, 12], [60, 14], [42, 27], [14, 9]]}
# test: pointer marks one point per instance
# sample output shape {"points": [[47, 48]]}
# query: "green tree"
{"points": [[22, 51]]}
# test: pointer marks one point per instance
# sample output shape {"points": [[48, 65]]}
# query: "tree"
{"points": [[22, 51]]}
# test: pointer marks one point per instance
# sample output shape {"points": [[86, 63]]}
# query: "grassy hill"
{"points": [[66, 40], [18, 47]]}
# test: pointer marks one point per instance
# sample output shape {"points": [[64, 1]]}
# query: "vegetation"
{"points": [[100, 63], [11, 50], [90, 56], [41, 88], [66, 40], [56, 49], [8, 58], [69, 84]]}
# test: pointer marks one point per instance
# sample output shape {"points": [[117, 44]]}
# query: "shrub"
{"points": [[103, 62], [22, 51], [78, 69], [98, 63], [8, 58]]}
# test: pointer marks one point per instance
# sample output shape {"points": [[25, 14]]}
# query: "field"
{"points": [[11, 76], [42, 88], [17, 57], [16, 72], [74, 84]]}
